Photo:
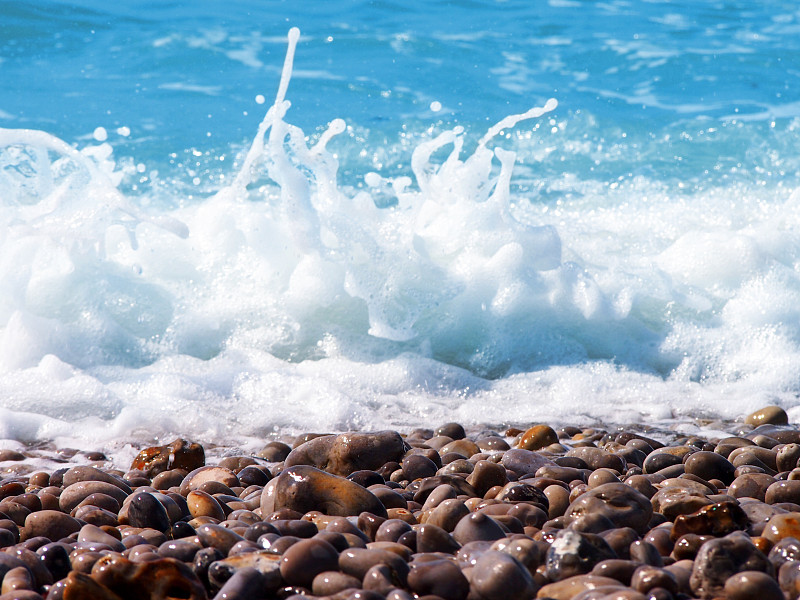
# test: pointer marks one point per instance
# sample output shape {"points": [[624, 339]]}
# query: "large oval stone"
{"points": [[205, 474], [500, 576], [304, 488], [718, 559], [769, 415], [144, 510], [51, 524], [78, 492], [537, 437], [622, 504], [523, 462], [349, 452], [710, 465], [89, 473]]}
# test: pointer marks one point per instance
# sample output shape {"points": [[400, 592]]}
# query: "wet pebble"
{"points": [[306, 559], [718, 559], [620, 503]]}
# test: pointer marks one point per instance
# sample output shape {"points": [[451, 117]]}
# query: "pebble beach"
{"points": [[399, 300], [449, 513]]}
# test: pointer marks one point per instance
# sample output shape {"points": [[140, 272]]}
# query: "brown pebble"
{"points": [[523, 462], [567, 589], [687, 547], [96, 516], [463, 447], [452, 430], [180, 454], [328, 583], [79, 585], [783, 491], [716, 519], [537, 437], [750, 485], [660, 459], [447, 514], [492, 443], [709, 465], [357, 562], [75, 493], [771, 415], [274, 452], [103, 501], [160, 578], [558, 500], [10, 455], [201, 475], [752, 585], [647, 577], [477, 526], [782, 525], [787, 457], [620, 569], [388, 497], [306, 559], [423, 488], [485, 475], [430, 538], [391, 529], [620, 540], [440, 577], [17, 579], [202, 504], [597, 458], [601, 476], [380, 579], [144, 510], [500, 576], [89, 473], [304, 488], [673, 501], [575, 553], [343, 454], [51, 524], [417, 466], [622, 504], [720, 558], [15, 511], [520, 491], [764, 458]]}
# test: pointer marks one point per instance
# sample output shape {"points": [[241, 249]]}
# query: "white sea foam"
{"points": [[287, 300]]}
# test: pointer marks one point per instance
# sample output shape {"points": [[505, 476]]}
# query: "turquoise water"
{"points": [[659, 73], [634, 259]]}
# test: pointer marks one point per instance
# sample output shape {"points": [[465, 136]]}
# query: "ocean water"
{"points": [[229, 220]]}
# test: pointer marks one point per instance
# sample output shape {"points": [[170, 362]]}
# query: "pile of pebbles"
{"points": [[434, 514]]}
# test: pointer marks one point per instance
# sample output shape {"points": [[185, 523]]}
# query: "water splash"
{"points": [[286, 290]]}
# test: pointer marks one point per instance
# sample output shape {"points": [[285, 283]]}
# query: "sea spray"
{"points": [[289, 299]]}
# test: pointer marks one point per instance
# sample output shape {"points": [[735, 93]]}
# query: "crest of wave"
{"points": [[297, 266]]}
